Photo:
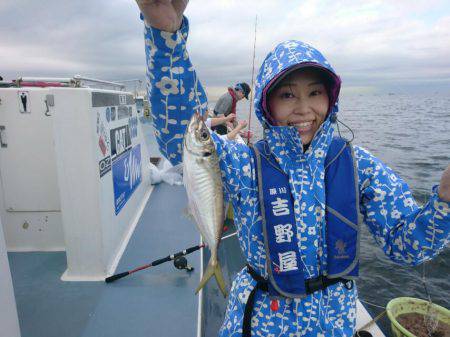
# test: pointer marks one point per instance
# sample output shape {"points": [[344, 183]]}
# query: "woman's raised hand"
{"points": [[164, 15], [444, 186]]}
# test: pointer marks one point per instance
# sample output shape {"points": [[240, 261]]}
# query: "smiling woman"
{"points": [[301, 195]]}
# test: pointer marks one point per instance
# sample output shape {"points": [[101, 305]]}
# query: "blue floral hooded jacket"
{"points": [[398, 224]]}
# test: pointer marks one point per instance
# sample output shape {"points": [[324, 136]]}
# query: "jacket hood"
{"points": [[285, 58], [285, 141]]}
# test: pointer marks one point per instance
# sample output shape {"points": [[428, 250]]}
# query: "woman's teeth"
{"points": [[302, 126]]}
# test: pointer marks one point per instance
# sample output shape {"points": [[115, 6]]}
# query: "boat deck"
{"points": [[159, 302], [153, 302]]}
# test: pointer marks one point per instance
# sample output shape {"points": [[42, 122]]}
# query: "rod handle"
{"points": [[116, 277], [193, 249]]}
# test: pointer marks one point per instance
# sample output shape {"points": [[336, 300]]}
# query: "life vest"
{"points": [[284, 267], [233, 100]]}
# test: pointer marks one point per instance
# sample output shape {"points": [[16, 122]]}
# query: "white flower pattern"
{"points": [[167, 86]]}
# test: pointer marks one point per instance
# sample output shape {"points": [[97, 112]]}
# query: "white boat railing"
{"points": [[84, 81], [77, 81]]}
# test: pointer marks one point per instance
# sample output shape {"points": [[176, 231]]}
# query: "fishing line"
{"points": [[373, 321], [372, 304], [430, 319], [252, 89]]}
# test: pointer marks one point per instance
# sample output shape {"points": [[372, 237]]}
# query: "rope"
{"points": [[365, 326], [252, 87], [372, 304], [430, 319]]}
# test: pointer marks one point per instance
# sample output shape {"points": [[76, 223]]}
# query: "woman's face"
{"points": [[300, 100]]}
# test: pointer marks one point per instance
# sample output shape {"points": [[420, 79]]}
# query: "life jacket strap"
{"points": [[261, 283], [322, 282], [311, 286]]}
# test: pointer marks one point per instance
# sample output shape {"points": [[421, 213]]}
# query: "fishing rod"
{"points": [[252, 87], [181, 265], [155, 263]]}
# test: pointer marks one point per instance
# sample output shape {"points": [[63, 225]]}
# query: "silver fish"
{"points": [[203, 181]]}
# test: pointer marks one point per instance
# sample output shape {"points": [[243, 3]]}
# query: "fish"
{"points": [[203, 181]]}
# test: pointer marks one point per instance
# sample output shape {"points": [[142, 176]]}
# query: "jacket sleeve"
{"points": [[174, 90], [237, 167], [409, 234], [175, 93]]}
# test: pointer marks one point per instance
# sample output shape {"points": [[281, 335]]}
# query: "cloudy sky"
{"points": [[398, 46]]}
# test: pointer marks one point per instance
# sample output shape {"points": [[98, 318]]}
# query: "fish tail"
{"points": [[213, 269], [220, 280]]}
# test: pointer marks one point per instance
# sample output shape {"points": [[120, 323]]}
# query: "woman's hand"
{"points": [[444, 186], [164, 15]]}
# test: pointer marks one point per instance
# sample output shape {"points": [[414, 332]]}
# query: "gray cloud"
{"points": [[376, 45]]}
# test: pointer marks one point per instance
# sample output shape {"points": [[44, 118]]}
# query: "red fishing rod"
{"points": [[252, 87], [157, 262], [180, 263]]}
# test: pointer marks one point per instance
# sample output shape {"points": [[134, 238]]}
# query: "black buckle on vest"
{"points": [[349, 284], [322, 282], [315, 284]]}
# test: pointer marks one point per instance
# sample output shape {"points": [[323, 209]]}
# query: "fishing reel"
{"points": [[181, 263]]}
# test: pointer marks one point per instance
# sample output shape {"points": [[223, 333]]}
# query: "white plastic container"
{"points": [[103, 176]]}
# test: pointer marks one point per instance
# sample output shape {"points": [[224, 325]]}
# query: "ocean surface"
{"points": [[411, 134]]}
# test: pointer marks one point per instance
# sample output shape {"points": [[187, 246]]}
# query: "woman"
{"points": [[288, 291]]}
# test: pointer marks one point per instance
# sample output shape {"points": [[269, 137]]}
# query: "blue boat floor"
{"points": [[159, 301]]}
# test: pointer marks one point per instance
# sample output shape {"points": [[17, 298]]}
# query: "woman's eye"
{"points": [[315, 93], [286, 94]]}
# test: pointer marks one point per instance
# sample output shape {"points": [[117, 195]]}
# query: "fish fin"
{"points": [[209, 272]]}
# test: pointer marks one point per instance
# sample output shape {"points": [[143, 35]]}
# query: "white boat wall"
{"points": [[72, 173]]}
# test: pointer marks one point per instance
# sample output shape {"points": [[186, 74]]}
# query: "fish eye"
{"points": [[204, 135]]}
